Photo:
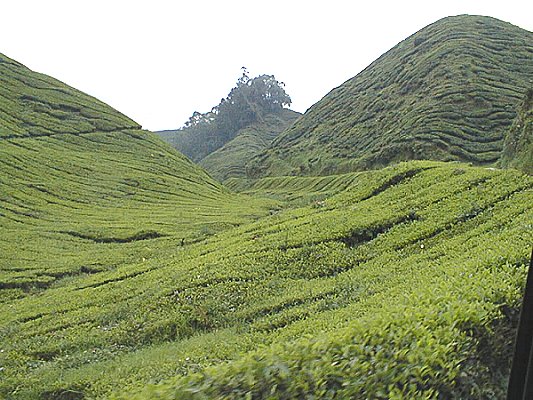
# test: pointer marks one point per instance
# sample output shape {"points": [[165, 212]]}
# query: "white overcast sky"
{"points": [[157, 61]]}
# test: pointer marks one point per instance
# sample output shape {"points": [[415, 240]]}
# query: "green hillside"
{"points": [[404, 285], [128, 272], [448, 92], [84, 191], [34, 104], [404, 280], [294, 190], [518, 146], [230, 160], [241, 126]]}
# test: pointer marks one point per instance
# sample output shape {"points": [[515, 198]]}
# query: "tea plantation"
{"points": [[448, 92], [404, 284], [128, 272]]}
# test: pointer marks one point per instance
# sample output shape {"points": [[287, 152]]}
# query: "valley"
{"points": [[374, 247]]}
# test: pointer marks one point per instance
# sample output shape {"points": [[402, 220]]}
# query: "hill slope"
{"points": [[518, 147], [230, 160], [225, 157], [444, 246], [34, 104], [81, 185], [448, 92]]}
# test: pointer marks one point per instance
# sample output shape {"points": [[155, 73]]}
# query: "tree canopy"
{"points": [[248, 102]]}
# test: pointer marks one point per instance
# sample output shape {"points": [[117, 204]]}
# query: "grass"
{"points": [[436, 95], [424, 308]]}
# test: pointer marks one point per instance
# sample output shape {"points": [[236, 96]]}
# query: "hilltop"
{"points": [[230, 160], [241, 126], [448, 92], [33, 104]]}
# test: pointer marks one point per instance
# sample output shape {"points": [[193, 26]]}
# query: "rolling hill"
{"points": [[127, 272], [241, 126], [81, 186], [448, 92], [35, 105], [227, 158]]}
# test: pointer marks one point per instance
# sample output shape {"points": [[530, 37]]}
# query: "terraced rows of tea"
{"points": [[518, 149], [34, 104], [230, 160], [67, 201], [295, 190], [404, 284], [76, 200], [128, 272], [448, 92]]}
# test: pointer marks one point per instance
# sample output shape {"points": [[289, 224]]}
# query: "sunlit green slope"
{"points": [[81, 186], [448, 92], [294, 190], [406, 282], [413, 275], [33, 104]]}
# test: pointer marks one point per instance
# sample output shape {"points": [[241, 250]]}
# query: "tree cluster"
{"points": [[246, 103]]}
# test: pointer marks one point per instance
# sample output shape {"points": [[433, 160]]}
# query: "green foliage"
{"points": [[230, 160], [250, 102], [126, 271], [448, 92], [392, 287], [518, 147]]}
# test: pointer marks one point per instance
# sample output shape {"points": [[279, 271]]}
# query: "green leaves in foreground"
{"points": [[424, 346], [403, 284], [436, 298]]}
